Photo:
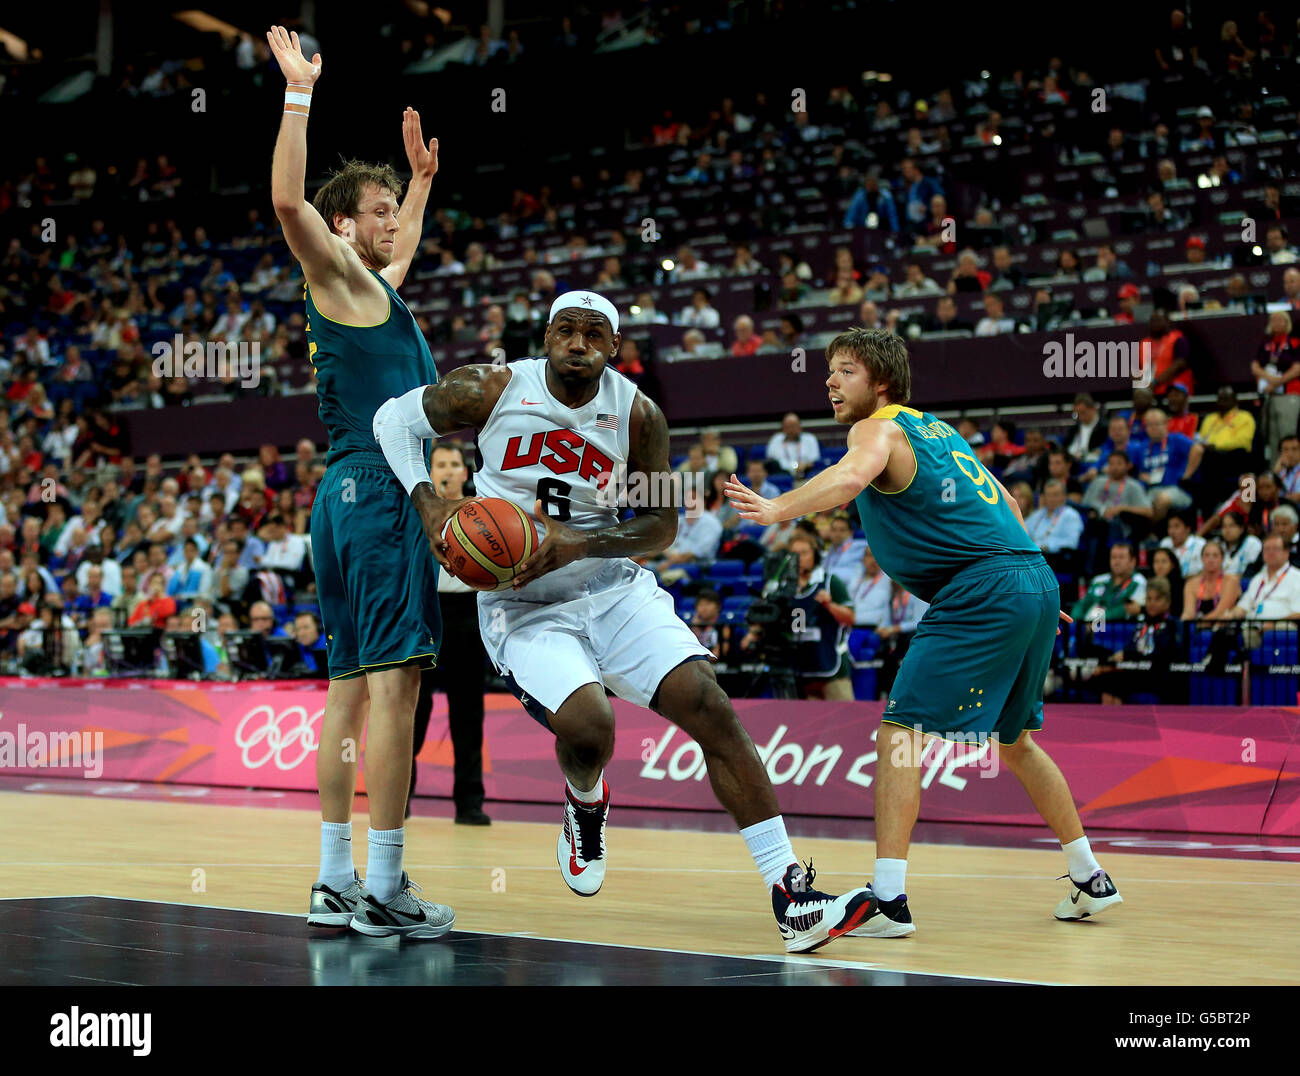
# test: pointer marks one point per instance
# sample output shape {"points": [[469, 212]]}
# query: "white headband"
{"points": [[585, 300]]}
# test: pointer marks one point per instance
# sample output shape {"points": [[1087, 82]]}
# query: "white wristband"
{"points": [[297, 98]]}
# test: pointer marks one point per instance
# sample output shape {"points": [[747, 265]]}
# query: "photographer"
{"points": [[821, 653]]}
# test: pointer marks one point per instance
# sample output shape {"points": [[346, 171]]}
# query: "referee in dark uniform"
{"points": [[461, 663]]}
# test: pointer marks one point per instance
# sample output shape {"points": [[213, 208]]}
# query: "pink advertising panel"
{"points": [[1184, 769]]}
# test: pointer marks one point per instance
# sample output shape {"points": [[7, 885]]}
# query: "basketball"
{"points": [[487, 540]]}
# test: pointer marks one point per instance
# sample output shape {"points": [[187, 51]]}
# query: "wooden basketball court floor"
{"points": [[98, 889]]}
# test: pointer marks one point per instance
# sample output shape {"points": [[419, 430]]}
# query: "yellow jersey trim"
{"points": [[888, 413], [894, 410], [932, 735], [348, 324], [945, 739], [405, 661]]}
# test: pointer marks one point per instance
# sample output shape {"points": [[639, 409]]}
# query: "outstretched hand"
{"points": [[423, 161], [288, 54], [749, 504]]}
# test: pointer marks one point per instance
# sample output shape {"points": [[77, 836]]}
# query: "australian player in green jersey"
{"points": [[939, 523], [376, 582]]}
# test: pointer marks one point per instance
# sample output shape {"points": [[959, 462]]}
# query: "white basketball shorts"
{"points": [[615, 627]]}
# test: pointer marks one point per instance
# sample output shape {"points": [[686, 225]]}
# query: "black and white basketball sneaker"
{"points": [[809, 919], [581, 847], [333, 907], [891, 920], [1088, 898], [404, 915]]}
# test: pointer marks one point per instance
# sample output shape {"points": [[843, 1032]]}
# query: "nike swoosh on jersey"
{"points": [[531, 403]]}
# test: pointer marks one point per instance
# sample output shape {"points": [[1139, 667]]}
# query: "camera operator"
{"points": [[821, 655]]}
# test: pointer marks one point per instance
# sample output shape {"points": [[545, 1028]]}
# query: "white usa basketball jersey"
{"points": [[534, 448]]}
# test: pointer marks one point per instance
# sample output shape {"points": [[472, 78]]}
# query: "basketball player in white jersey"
{"points": [[582, 616]]}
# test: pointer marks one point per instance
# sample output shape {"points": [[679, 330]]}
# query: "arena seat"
{"points": [[863, 644], [1276, 647]]}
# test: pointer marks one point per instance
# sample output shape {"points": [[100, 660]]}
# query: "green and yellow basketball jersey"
{"points": [[948, 517], [358, 367]]}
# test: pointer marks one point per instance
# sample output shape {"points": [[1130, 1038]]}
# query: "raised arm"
{"points": [[312, 243], [424, 166]]}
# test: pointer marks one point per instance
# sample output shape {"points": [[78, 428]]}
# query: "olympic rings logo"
{"points": [[271, 740]]}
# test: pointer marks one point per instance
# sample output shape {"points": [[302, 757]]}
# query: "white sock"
{"points": [[596, 794], [336, 855], [889, 880], [1083, 864], [384, 868], [770, 847]]}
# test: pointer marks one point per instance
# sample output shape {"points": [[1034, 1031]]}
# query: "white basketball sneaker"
{"points": [[404, 915], [1088, 898], [808, 919], [335, 907], [581, 847]]}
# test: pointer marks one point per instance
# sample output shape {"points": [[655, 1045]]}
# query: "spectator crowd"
{"points": [[898, 235]]}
